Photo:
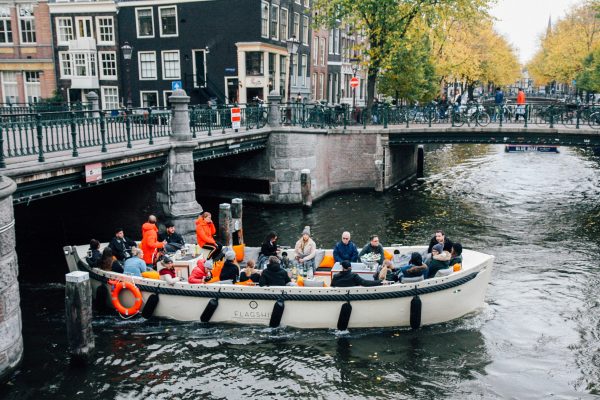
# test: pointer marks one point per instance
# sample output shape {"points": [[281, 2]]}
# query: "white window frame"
{"points": [[142, 92], [330, 41], [321, 92], [195, 52], [166, 95], [283, 36], [65, 57], [322, 52], [58, 21], [162, 58], [101, 65], [305, 25], [137, 22], [77, 20], [304, 69], [104, 95], [295, 69], [315, 51], [28, 85], [30, 18], [297, 1], [275, 13], [265, 27], [139, 57], [99, 25], [160, 25], [6, 19], [296, 25], [14, 84], [307, 3]]}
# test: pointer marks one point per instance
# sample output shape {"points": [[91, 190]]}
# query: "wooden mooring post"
{"points": [[237, 231], [78, 310], [305, 188], [224, 232]]}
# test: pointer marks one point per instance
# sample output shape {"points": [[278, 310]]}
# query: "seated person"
{"points": [[267, 249], [168, 272], [456, 254], [347, 278], [230, 270], [134, 265], [387, 272], [205, 231], [285, 261], [439, 237], [345, 249], [199, 273], [174, 240], [108, 263], [415, 267], [94, 254], [306, 250], [274, 275], [250, 273], [440, 259], [373, 247], [121, 245]]}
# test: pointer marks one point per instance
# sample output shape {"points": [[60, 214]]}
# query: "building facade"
{"points": [[319, 61], [26, 62], [86, 50]]}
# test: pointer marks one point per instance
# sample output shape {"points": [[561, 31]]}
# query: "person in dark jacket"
{"points": [[345, 250], [440, 237], [347, 278], [121, 245], [267, 249], [174, 240], [250, 273], [94, 254], [373, 247], [436, 264], [415, 267], [108, 263], [456, 254], [274, 275], [230, 270]]}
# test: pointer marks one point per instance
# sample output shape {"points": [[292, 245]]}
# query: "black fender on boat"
{"points": [[277, 313], [344, 318], [415, 311], [102, 297], [150, 306], [210, 309]]}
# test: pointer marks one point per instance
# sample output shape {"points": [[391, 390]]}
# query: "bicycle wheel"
{"points": [[483, 118], [458, 120], [594, 120]]}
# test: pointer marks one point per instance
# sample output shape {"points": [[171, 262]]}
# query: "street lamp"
{"points": [[127, 52], [355, 65], [292, 48]]}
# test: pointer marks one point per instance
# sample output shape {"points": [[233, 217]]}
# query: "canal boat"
{"points": [[525, 148], [318, 306]]}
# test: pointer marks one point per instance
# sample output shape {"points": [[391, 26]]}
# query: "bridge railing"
{"points": [[207, 120]]}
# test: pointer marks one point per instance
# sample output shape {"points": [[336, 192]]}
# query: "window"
{"points": [[254, 63], [321, 84], [275, 22], [147, 65], [168, 21], [110, 97], [322, 51], [199, 68], [166, 95], [9, 87], [282, 73], [84, 64], [304, 65], [33, 92], [315, 50], [304, 30], [331, 41], [108, 65], [84, 27], [27, 24], [297, 1], [144, 21], [313, 85], [149, 98], [283, 26], [294, 70], [264, 19], [336, 40], [65, 64], [297, 26], [306, 3], [106, 30], [5, 27], [170, 64], [64, 30]]}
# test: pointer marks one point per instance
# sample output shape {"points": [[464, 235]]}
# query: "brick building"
{"points": [[318, 65], [26, 62]]}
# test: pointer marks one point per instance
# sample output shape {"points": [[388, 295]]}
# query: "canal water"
{"points": [[537, 337]]}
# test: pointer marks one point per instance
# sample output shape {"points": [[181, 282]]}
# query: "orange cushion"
{"points": [[327, 262], [457, 267], [239, 252], [387, 255], [151, 274]]}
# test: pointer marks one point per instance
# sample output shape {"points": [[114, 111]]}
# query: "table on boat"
{"points": [[360, 268], [183, 265]]}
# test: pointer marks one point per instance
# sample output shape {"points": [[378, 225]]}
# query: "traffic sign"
{"points": [[236, 117], [93, 172], [354, 82], [175, 85]]}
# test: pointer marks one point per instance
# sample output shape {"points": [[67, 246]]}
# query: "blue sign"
{"points": [[230, 70], [175, 85]]}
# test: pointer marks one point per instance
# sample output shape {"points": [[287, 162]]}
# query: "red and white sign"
{"points": [[354, 82], [93, 172], [236, 117]]}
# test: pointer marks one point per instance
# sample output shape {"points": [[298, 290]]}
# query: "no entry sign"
{"points": [[354, 82], [236, 117]]}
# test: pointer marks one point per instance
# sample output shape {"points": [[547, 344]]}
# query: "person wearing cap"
{"points": [[347, 278], [306, 250], [174, 240], [120, 245], [199, 274], [274, 275], [415, 266], [230, 270], [168, 272], [134, 265], [373, 247], [345, 249], [439, 237], [440, 259]]}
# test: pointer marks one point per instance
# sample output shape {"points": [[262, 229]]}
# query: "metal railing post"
{"points": [[103, 130], [74, 134], [344, 117], [128, 127], [209, 121], [385, 117], [526, 114], [578, 117], [222, 117], [501, 112], [149, 125], [406, 114], [429, 115], [364, 116], [40, 136], [2, 162], [551, 118], [452, 116]]}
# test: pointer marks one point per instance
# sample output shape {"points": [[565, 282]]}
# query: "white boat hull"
{"points": [[443, 298]]}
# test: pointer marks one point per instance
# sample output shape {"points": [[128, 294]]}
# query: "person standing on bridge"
{"points": [[150, 241], [499, 103], [520, 105]]}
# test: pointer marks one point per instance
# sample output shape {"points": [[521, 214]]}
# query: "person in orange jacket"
{"points": [[520, 104], [150, 241], [205, 229]]}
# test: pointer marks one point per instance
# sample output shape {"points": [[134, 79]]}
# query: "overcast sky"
{"points": [[522, 21]]}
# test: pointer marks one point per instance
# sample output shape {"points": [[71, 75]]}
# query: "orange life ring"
{"points": [[135, 308]]}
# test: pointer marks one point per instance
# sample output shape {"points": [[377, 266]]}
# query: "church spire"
{"points": [[549, 29]]}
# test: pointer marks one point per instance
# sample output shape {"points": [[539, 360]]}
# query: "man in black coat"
{"points": [[274, 275], [229, 270], [440, 237], [174, 240], [347, 278], [121, 245]]}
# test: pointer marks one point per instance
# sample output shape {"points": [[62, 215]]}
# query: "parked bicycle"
{"points": [[256, 115], [472, 113]]}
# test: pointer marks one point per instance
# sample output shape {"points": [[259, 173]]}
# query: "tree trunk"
{"points": [[371, 80]]}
